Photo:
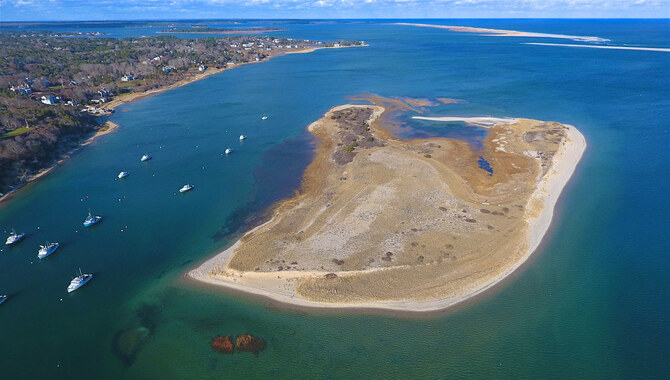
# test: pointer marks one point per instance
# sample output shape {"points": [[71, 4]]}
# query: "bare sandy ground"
{"points": [[505, 33], [481, 121], [322, 248]]}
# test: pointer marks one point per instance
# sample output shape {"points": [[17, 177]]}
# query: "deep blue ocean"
{"points": [[592, 302]]}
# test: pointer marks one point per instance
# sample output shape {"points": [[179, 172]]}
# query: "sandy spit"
{"points": [[505, 33], [666, 50]]}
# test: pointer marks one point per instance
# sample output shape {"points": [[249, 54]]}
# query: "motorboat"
{"points": [[186, 188], [91, 220], [14, 238], [79, 281], [46, 250]]}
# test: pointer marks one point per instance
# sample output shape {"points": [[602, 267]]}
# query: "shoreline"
{"points": [[269, 285], [106, 128], [241, 31], [130, 97], [122, 99]]}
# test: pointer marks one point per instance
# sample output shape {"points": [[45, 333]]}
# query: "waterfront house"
{"points": [[105, 94]]}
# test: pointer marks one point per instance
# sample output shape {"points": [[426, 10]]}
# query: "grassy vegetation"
{"points": [[350, 148], [16, 132]]}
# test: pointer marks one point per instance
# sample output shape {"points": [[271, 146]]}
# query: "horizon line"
{"points": [[339, 19]]}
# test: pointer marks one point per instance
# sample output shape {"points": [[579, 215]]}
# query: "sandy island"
{"points": [[413, 225]]}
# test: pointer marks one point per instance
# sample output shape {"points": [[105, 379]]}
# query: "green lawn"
{"points": [[16, 132]]}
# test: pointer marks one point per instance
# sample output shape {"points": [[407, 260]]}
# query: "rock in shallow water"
{"points": [[223, 345], [246, 342]]}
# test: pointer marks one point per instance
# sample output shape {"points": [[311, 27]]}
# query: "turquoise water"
{"points": [[594, 301]]}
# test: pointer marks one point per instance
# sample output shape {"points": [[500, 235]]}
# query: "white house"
{"points": [[50, 99], [202, 68], [127, 78]]}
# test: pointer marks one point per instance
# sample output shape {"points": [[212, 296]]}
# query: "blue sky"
{"points": [[34, 10]]}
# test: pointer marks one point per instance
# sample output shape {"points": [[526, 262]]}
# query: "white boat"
{"points": [[123, 175], [145, 157], [91, 220], [79, 281], [243, 137], [46, 250], [264, 118], [14, 238], [186, 188], [3, 298], [229, 151]]}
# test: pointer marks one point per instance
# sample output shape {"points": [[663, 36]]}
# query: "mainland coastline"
{"points": [[122, 99], [362, 281], [203, 30]]}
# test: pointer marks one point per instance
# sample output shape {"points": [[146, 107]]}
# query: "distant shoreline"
{"points": [[122, 99], [232, 31], [129, 97]]}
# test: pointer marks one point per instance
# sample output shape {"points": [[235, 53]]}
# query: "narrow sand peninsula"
{"points": [[412, 225], [666, 50], [505, 33]]}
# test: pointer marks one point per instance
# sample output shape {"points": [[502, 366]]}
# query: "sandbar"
{"points": [[505, 33], [666, 50]]}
